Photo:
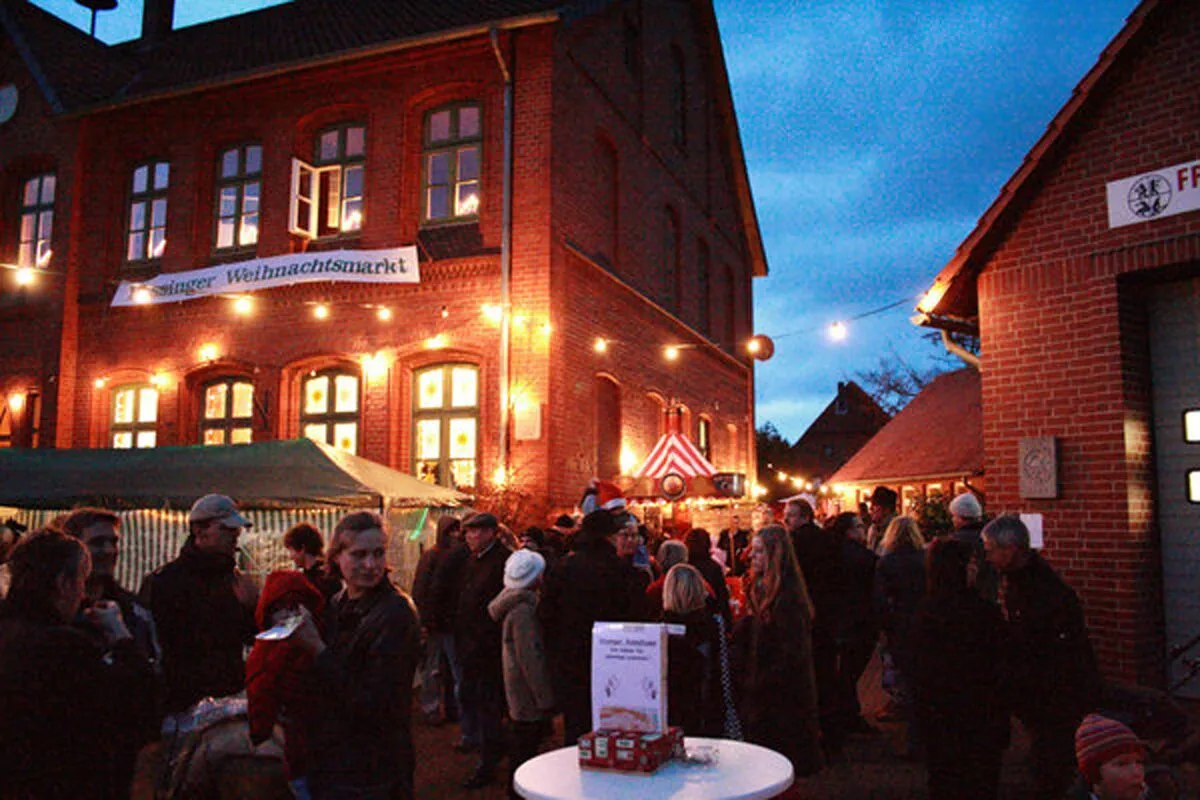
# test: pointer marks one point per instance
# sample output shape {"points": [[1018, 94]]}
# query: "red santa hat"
{"points": [[609, 497]]}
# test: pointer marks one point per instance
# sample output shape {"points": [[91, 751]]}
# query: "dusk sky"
{"points": [[876, 133]]}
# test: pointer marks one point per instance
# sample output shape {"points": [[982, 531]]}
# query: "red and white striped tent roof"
{"points": [[675, 453]]}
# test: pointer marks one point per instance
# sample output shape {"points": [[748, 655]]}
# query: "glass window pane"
{"points": [[353, 186], [147, 405], [214, 436], [46, 225], [462, 437], [439, 126], [249, 230], [43, 252], [253, 159], [141, 177], [1194, 485], [229, 163], [347, 393], [146, 439], [429, 439], [122, 440], [48, 182], [250, 197], [137, 247], [25, 255], [225, 232], [241, 436], [468, 122], [345, 436], [318, 432], [30, 197], [158, 213], [462, 473], [468, 163], [158, 242], [137, 217], [352, 216], [316, 396], [439, 202], [228, 202], [123, 400], [1191, 425], [28, 226], [464, 382], [162, 175], [467, 203], [438, 168], [214, 401], [243, 400], [356, 141], [328, 148], [430, 391]]}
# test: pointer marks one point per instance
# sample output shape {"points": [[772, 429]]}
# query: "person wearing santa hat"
{"points": [[1112, 761]]}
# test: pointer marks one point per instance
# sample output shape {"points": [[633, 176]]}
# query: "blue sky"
{"points": [[876, 133]]}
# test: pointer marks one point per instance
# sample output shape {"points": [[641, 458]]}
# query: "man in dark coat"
{"points": [[966, 514], [439, 669], [204, 607], [820, 559], [478, 643], [735, 541], [592, 584], [857, 624], [1055, 681]]}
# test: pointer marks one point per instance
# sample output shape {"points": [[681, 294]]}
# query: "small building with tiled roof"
{"points": [[934, 445], [1082, 281], [422, 232], [838, 432]]}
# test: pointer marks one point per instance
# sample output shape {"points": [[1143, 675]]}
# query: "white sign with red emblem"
{"points": [[1151, 195], [629, 677]]}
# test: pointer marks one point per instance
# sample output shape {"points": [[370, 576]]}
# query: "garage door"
{"points": [[1175, 361]]}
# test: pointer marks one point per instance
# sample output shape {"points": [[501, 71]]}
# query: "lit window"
{"points": [[704, 437], [446, 425], [228, 412], [451, 163], [19, 420], [1191, 425], [239, 189], [330, 408], [146, 237], [134, 417], [37, 221], [1194, 486], [327, 195]]}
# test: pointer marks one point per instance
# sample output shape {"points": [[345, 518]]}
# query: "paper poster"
{"points": [[629, 677], [1034, 523]]}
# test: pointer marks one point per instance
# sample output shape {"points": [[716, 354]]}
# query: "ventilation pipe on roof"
{"points": [[505, 251], [158, 19], [955, 349]]}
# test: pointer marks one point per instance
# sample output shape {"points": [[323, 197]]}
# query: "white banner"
{"points": [[1151, 195], [629, 677], [398, 265]]}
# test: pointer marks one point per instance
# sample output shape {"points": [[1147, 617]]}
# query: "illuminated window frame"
{"points": [[238, 198], [332, 418], [441, 471], [1191, 425], [227, 425], [146, 223], [455, 148], [1192, 486], [704, 437], [36, 221], [143, 435], [328, 196]]}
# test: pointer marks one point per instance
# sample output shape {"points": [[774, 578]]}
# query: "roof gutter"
{"points": [[394, 46]]}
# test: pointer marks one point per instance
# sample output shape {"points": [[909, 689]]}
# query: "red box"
{"points": [[629, 751]]}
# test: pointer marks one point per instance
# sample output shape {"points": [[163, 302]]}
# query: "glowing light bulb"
{"points": [[671, 353], [492, 313], [436, 342], [500, 476], [838, 332], [158, 380], [753, 346], [24, 276], [600, 345], [384, 314], [100, 383], [209, 352], [142, 296], [16, 402], [243, 305], [321, 311]]}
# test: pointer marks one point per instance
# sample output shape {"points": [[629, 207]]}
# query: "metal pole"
{"points": [[505, 255]]}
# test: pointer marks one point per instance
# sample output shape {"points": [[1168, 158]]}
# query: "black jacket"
{"points": [[202, 627], [899, 587], [694, 697], [66, 710], [856, 604], [361, 736], [427, 593], [476, 635], [820, 557], [711, 571], [987, 580]]}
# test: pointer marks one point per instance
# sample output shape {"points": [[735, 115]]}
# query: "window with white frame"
{"points": [[330, 408], [134, 421], [328, 194], [239, 187], [37, 221], [228, 412], [446, 425], [146, 235], [451, 163]]}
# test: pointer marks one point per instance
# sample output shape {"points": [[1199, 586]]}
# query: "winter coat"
{"points": [[714, 576], [778, 704], [202, 627], [318, 575], [66, 710], [819, 555], [476, 634], [959, 675], [277, 672], [526, 675], [857, 618], [445, 583], [361, 735], [1055, 678], [987, 579], [899, 587], [694, 699]]}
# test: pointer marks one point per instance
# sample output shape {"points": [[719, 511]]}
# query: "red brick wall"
{"points": [[1063, 347]]}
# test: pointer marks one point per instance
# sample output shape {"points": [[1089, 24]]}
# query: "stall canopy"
{"points": [[298, 473], [674, 469]]}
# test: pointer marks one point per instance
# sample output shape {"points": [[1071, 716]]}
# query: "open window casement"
{"points": [[316, 201]]}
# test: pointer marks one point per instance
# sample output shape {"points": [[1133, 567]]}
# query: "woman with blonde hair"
{"points": [[899, 587], [779, 690]]}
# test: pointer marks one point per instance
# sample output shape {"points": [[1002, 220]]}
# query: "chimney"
{"points": [[158, 19]]}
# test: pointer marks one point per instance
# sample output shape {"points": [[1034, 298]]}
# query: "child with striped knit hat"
{"points": [[1111, 761]]}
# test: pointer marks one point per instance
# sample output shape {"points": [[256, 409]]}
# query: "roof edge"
{"points": [[31, 63]]}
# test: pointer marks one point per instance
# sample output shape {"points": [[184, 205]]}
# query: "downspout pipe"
{"points": [[955, 349], [505, 254]]}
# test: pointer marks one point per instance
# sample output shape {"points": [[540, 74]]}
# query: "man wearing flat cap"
{"points": [[204, 607]]}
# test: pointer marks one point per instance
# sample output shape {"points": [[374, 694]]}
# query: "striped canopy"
{"points": [[675, 453]]}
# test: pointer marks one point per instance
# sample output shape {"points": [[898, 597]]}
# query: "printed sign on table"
{"points": [[629, 677]]}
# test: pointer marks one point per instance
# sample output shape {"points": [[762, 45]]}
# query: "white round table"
{"points": [[742, 772]]}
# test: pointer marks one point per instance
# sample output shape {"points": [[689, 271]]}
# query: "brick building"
{"points": [[846, 424], [1083, 282], [577, 165]]}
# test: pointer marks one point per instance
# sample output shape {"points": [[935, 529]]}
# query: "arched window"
{"points": [[37, 221], [146, 236], [330, 410], [328, 195], [134, 419], [446, 425], [450, 169], [608, 427], [239, 188], [228, 412]]}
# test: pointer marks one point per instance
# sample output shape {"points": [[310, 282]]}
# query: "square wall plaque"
{"points": [[1039, 468]]}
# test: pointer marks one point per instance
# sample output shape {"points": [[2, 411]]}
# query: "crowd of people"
{"points": [[777, 626]]}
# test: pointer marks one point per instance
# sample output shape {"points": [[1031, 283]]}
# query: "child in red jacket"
{"points": [[277, 672]]}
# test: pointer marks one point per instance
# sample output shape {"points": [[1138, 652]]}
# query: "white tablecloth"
{"points": [[742, 772]]}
